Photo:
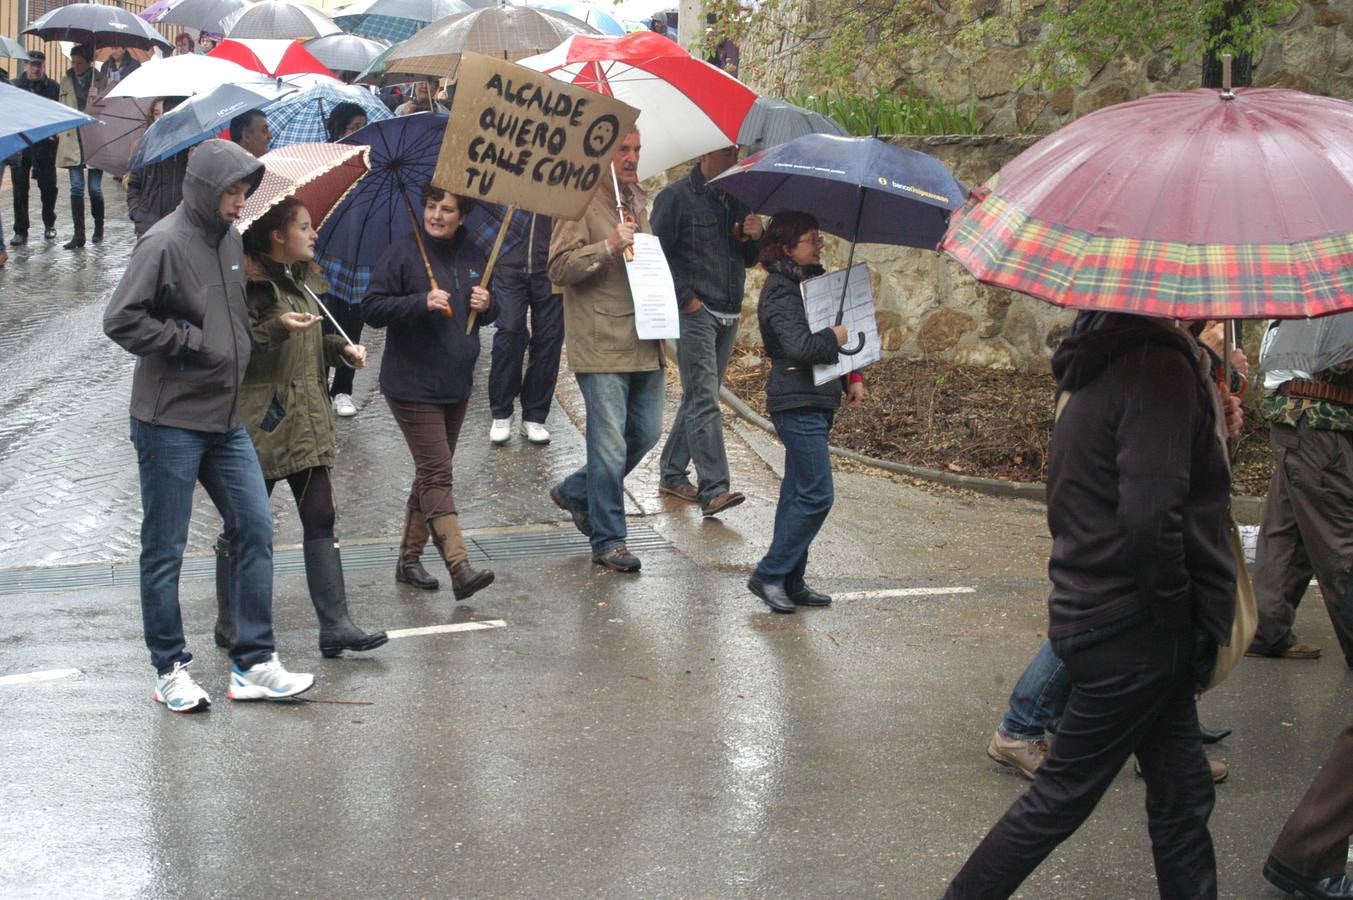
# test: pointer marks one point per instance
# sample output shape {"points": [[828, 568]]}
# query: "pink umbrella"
{"points": [[686, 106], [271, 57], [318, 174]]}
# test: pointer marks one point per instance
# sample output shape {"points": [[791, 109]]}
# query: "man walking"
{"points": [[81, 86], [36, 163], [180, 309], [1142, 578], [710, 240], [1310, 857], [522, 287], [620, 376]]}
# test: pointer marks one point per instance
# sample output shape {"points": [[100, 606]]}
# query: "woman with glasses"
{"points": [[791, 251]]}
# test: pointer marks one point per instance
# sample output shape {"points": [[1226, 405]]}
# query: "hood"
{"points": [[214, 166], [1098, 338]]}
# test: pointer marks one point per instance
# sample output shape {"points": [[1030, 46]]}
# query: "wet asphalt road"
{"points": [[655, 735]]}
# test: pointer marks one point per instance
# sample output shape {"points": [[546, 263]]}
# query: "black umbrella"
{"points": [[96, 25]]}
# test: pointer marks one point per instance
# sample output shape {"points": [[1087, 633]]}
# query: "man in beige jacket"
{"points": [[620, 376]]}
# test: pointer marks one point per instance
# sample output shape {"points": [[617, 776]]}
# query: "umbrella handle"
{"points": [[853, 350]]}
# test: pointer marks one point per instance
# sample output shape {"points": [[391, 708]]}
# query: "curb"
{"points": [[1246, 509]]}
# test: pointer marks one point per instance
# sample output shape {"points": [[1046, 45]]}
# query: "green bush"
{"points": [[890, 113]]}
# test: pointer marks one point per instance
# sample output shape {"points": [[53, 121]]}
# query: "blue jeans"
{"points": [[624, 421], [1039, 696], [697, 431], [77, 181], [171, 462], [806, 495]]}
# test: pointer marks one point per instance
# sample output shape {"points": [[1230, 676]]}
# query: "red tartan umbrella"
{"points": [[271, 57], [1193, 205]]}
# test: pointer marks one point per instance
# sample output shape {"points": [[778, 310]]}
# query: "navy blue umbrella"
{"points": [[858, 188], [380, 209], [29, 118], [201, 117]]}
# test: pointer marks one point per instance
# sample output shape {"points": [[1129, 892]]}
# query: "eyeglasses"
{"points": [[816, 240]]}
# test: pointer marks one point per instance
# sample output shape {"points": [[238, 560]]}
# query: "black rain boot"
{"points": [[324, 575], [224, 632], [77, 217], [96, 210]]}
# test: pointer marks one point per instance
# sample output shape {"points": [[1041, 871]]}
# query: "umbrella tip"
{"points": [[1226, 92]]}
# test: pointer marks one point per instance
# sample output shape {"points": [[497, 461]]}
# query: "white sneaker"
{"points": [[267, 681], [535, 432], [500, 431], [343, 406], [179, 692]]}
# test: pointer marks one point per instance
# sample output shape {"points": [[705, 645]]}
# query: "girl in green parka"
{"points": [[285, 405]]}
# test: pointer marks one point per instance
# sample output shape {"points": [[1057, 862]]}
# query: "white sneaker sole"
{"points": [[202, 704], [498, 442], [537, 441], [240, 691]]}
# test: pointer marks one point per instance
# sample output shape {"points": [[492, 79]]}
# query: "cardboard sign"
{"points": [[821, 300], [519, 137]]}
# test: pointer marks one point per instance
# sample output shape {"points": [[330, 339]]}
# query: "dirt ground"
{"points": [[985, 422]]}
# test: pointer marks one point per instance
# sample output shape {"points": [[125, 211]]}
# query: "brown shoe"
{"points": [[409, 567], [1291, 651], [467, 580], [682, 491], [726, 500], [1218, 768], [1023, 756]]}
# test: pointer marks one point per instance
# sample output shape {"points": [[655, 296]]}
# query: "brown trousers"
{"points": [[431, 431], [1314, 842], [1308, 528]]}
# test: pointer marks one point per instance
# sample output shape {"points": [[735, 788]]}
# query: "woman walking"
{"points": [[427, 372], [791, 251], [285, 405]]}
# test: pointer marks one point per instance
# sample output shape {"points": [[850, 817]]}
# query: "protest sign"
{"points": [[822, 303], [655, 303], [522, 139]]}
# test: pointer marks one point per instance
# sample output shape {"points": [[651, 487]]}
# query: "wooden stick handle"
{"points": [[493, 258], [422, 251]]}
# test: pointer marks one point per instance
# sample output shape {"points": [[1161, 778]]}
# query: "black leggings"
{"points": [[314, 495]]}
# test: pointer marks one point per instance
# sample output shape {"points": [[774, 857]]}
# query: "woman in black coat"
{"points": [[427, 372], [791, 251]]}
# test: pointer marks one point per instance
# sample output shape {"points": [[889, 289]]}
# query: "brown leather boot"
{"points": [[465, 578], [409, 567]]}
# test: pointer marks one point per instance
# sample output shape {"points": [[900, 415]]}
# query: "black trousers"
{"points": [[313, 492], [1133, 693], [37, 165], [349, 315], [516, 294]]}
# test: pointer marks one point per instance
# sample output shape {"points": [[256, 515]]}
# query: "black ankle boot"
{"points": [[324, 576], [77, 217], [224, 632], [96, 210]]}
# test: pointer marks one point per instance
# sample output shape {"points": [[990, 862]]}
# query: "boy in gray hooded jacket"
{"points": [[180, 309]]}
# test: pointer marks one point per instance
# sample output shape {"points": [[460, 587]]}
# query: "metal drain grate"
{"points": [[483, 547]]}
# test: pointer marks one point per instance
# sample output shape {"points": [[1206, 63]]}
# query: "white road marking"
{"points": [[446, 629], [34, 677], [903, 592]]}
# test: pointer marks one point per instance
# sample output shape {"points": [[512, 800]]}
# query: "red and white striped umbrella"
{"points": [[271, 57], [686, 106], [319, 175]]}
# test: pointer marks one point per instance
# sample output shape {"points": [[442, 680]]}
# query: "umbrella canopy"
{"points": [[183, 76], [860, 189], [686, 106], [1306, 347], [202, 14], [319, 175], [29, 118], [271, 57], [505, 32], [108, 142], [772, 122], [12, 49], [97, 25], [591, 13], [1193, 205], [303, 117], [278, 19], [200, 117], [345, 52], [399, 20], [157, 10], [383, 207]]}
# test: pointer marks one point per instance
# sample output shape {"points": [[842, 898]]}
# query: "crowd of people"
{"points": [[233, 390]]}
